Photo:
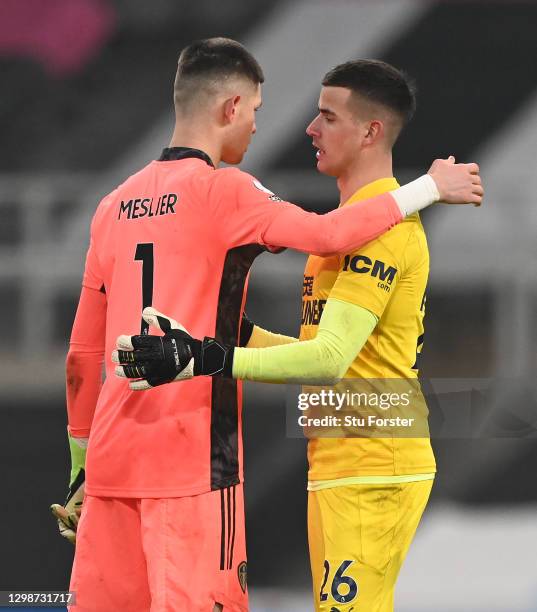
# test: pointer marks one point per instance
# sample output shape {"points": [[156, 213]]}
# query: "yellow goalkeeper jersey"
{"points": [[388, 276]]}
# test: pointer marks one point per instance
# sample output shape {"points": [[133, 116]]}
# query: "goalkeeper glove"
{"points": [[68, 515], [176, 356]]}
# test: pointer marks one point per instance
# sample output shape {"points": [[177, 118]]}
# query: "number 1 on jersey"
{"points": [[144, 253]]}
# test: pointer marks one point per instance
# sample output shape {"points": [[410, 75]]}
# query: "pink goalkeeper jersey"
{"points": [[181, 236]]}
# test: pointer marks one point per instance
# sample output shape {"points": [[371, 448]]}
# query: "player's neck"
{"points": [[363, 172], [189, 136]]}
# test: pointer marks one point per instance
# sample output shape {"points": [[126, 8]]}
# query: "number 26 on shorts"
{"points": [[343, 588]]}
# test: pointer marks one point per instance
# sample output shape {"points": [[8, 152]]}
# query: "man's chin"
{"points": [[325, 168], [233, 159]]}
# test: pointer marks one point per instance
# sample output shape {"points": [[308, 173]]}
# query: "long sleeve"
{"points": [[259, 216], [84, 364], [334, 233], [343, 330]]}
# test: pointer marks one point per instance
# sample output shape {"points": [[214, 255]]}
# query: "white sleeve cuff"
{"points": [[416, 195]]}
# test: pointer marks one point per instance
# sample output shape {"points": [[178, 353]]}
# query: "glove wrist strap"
{"points": [[213, 358]]}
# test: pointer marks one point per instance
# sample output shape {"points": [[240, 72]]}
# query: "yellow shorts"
{"points": [[358, 538]]}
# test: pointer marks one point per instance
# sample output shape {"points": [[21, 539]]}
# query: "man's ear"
{"points": [[374, 132], [230, 109]]}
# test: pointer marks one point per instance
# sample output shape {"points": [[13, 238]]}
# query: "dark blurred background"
{"points": [[87, 100]]}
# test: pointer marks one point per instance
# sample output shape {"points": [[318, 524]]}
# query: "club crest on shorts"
{"points": [[241, 575]]}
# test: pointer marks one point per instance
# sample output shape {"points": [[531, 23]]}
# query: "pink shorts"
{"points": [[179, 554]]}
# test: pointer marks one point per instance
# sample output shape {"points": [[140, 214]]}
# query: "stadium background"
{"points": [[87, 100]]}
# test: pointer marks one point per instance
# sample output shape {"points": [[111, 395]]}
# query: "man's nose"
{"points": [[312, 130]]}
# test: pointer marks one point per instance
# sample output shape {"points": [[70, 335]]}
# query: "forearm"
{"points": [[84, 364], [84, 373], [342, 332], [350, 227]]}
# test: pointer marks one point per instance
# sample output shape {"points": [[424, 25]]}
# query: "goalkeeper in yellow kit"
{"points": [[362, 317]]}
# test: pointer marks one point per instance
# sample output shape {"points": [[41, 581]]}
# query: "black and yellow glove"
{"points": [[176, 356], [69, 513]]}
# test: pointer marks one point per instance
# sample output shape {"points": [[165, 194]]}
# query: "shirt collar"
{"points": [[373, 189], [175, 153]]}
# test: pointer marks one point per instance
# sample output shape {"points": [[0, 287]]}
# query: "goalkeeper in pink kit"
{"points": [[163, 521]]}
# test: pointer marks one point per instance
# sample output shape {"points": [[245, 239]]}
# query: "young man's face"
{"points": [[243, 126], [336, 131]]}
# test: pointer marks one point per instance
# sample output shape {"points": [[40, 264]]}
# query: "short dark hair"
{"points": [[214, 59], [376, 82]]}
